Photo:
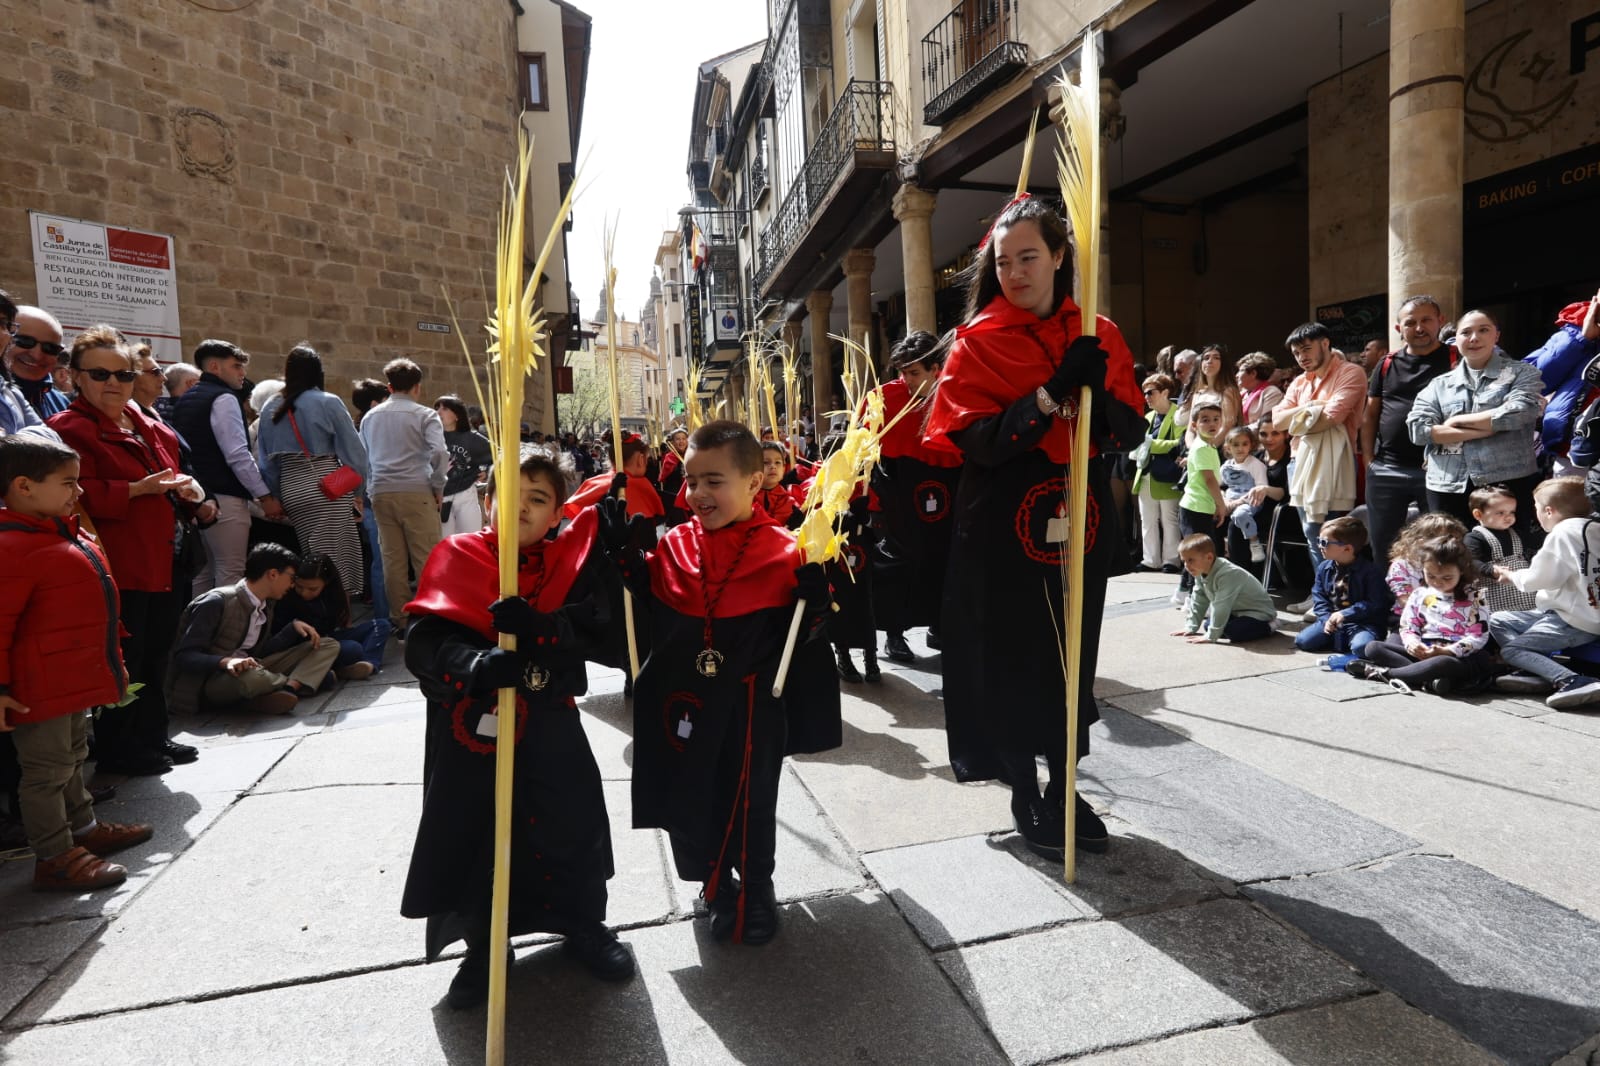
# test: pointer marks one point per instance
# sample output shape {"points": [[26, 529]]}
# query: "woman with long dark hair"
{"points": [[1005, 403], [306, 434]]}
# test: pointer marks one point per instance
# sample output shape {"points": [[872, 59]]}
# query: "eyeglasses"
{"points": [[101, 374], [22, 340], [154, 371], [1324, 542], [1152, 392]]}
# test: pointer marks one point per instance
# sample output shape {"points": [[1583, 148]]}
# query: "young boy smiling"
{"points": [[709, 737]]}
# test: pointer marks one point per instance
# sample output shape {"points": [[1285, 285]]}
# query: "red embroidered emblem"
{"points": [[854, 557], [467, 736], [932, 500], [1044, 503]]}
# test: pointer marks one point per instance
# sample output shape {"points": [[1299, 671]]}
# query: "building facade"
{"points": [[1266, 161], [328, 171]]}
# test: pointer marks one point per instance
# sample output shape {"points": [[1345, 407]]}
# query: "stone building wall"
{"points": [[324, 166], [1524, 101]]}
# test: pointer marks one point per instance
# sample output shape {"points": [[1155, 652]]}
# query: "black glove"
{"points": [[532, 628], [1084, 363], [613, 525], [811, 585], [497, 669], [619, 485]]}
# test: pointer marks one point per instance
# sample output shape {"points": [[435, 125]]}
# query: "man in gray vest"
{"points": [[229, 654], [211, 420]]}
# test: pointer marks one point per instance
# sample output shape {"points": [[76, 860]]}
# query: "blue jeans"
{"points": [[380, 596], [1527, 639], [1349, 638], [362, 642]]}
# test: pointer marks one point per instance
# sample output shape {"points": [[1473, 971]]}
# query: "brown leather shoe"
{"points": [[356, 671], [280, 702], [76, 870], [107, 837]]}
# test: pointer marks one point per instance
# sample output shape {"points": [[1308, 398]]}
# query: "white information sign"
{"points": [[88, 273]]}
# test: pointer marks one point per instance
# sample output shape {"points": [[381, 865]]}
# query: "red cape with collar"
{"points": [[779, 503], [462, 577], [688, 554], [642, 496], [1007, 352], [904, 438]]}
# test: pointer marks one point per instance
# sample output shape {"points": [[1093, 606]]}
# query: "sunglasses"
{"points": [[101, 374], [1324, 542], [22, 340]]}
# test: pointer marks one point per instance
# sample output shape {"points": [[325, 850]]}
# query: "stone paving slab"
{"points": [[1511, 970], [1520, 706], [381, 755], [845, 982], [1503, 793], [811, 858], [1335, 686], [890, 784], [178, 819], [608, 723], [238, 727], [1225, 816], [1574, 722], [937, 885], [1376, 1030], [410, 710], [34, 952], [285, 887], [1137, 654], [641, 891], [230, 768], [1098, 985], [354, 697]]}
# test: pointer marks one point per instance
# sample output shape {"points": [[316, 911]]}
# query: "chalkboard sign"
{"points": [[1354, 322]]}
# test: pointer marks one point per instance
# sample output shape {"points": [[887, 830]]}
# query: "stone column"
{"points": [[1427, 67], [913, 209], [819, 305], [858, 266]]}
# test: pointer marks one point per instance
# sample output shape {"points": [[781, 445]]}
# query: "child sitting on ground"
{"points": [[1239, 608], [319, 599], [1242, 472], [59, 656], [1349, 597], [1494, 541], [1405, 567], [1565, 575], [1443, 629]]}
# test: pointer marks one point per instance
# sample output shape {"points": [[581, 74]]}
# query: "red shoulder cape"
{"points": [[904, 438], [765, 577], [462, 577], [642, 496], [1007, 352], [778, 503]]}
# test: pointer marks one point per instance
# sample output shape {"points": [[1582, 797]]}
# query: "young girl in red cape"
{"points": [[1004, 400]]}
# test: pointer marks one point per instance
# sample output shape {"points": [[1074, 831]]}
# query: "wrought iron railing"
{"points": [[860, 122], [970, 49]]}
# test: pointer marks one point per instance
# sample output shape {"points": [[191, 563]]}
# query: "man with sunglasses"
{"points": [[34, 349], [16, 413]]}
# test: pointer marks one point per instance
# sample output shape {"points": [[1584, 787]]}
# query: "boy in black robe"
{"points": [[709, 736], [561, 839]]}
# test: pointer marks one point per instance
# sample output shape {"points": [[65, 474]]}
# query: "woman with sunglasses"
{"points": [[140, 501]]}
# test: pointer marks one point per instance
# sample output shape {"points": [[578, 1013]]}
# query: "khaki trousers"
{"points": [[301, 663], [408, 528], [54, 801]]}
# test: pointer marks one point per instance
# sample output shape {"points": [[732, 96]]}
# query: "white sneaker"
{"points": [[1299, 608], [1179, 597], [1258, 552]]}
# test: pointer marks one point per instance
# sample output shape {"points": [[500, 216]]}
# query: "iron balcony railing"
{"points": [[972, 49], [860, 122]]}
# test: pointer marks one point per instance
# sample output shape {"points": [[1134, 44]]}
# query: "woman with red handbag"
{"points": [[312, 459]]}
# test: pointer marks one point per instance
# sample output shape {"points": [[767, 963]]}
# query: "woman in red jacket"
{"points": [[139, 500]]}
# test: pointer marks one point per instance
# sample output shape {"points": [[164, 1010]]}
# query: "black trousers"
{"points": [[1391, 654], [151, 619], [1192, 522]]}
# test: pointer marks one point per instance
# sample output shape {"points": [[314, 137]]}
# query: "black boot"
{"points": [[869, 663], [470, 986], [933, 639], [847, 668], [896, 650], [1090, 830], [601, 953], [760, 914], [1040, 823], [722, 908]]}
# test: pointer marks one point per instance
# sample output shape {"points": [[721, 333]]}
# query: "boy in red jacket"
{"points": [[60, 654]]}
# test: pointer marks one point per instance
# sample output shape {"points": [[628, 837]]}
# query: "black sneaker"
{"points": [[896, 650], [601, 953], [470, 986], [760, 914], [847, 667], [180, 754], [1041, 825], [1090, 831], [1575, 691], [1522, 684], [1440, 686]]}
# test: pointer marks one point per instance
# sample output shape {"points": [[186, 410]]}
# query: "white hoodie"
{"points": [[1565, 573]]}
